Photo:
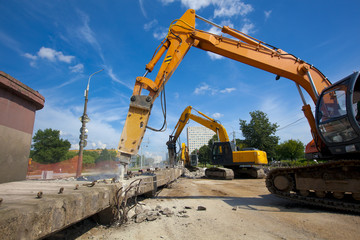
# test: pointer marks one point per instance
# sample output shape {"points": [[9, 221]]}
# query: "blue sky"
{"points": [[54, 46]]}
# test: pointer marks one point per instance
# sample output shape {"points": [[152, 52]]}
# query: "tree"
{"points": [[240, 144], [204, 154], [291, 149], [260, 133], [106, 155], [48, 147], [90, 156], [195, 151]]}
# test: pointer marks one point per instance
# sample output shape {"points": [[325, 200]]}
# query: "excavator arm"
{"points": [[203, 120], [183, 35]]}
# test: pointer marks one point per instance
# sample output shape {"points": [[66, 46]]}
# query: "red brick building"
{"points": [[18, 104]]}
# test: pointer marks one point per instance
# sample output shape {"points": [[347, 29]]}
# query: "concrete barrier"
{"points": [[25, 215]]}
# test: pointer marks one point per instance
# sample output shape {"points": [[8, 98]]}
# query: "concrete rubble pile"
{"points": [[197, 173], [143, 213]]}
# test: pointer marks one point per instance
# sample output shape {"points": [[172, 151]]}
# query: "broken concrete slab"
{"points": [[25, 216]]}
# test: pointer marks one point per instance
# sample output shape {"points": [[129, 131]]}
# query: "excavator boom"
{"points": [[335, 128], [183, 35]]}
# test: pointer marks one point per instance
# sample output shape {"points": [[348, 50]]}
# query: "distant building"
{"points": [[197, 137]]}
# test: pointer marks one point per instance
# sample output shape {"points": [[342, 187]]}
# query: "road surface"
{"points": [[235, 209]]}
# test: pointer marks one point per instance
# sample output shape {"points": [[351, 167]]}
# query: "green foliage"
{"points": [[212, 140], [90, 156], [106, 155], [290, 149], [69, 155], [240, 143], [195, 151], [88, 159], [48, 147], [204, 154], [260, 133]]}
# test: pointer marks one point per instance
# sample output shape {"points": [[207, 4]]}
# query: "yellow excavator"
{"points": [[335, 128], [236, 163], [184, 156], [190, 161]]}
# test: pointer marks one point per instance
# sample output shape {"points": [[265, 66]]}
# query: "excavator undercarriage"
{"points": [[219, 173], [231, 172], [335, 184]]}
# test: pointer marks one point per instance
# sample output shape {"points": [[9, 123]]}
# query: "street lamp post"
{"points": [[83, 136]]}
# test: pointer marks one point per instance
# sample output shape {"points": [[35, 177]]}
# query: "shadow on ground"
{"points": [[267, 203]]}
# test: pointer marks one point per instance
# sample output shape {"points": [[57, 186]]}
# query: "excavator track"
{"points": [[219, 173], [334, 185]]}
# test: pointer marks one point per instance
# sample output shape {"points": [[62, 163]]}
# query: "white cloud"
{"points": [[267, 14], [248, 28], [150, 25], [53, 55], [98, 144], [160, 33], [197, 4], [165, 2], [85, 32], [227, 90], [206, 89], [214, 56], [113, 76], [10, 42], [30, 56], [224, 8], [49, 54], [141, 3], [78, 68], [229, 8], [202, 89], [217, 115]]}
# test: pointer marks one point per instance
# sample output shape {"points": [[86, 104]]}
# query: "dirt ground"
{"points": [[235, 209]]}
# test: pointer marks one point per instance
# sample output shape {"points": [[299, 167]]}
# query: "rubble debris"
{"points": [[151, 216], [201, 208], [61, 190], [188, 207], [139, 209], [140, 217], [39, 194], [167, 212], [199, 173]]}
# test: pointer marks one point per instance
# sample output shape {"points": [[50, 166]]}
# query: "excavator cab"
{"points": [[338, 116], [222, 153]]}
